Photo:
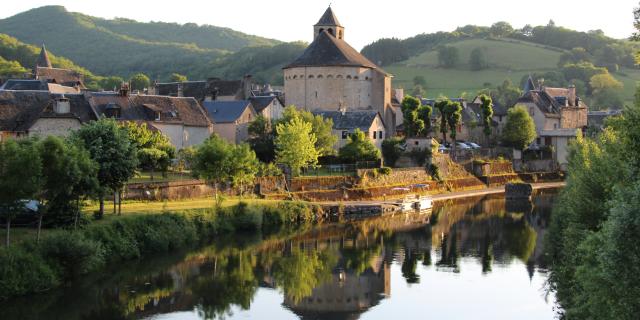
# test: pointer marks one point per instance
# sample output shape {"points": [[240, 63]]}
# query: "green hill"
{"points": [[124, 47]]}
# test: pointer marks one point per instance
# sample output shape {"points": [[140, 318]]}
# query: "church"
{"points": [[330, 75]]}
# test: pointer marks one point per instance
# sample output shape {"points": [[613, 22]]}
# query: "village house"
{"points": [[331, 75], [44, 70], [559, 114], [39, 113], [346, 122], [209, 90], [181, 119], [270, 107], [231, 118]]}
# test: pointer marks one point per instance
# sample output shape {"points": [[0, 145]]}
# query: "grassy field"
{"points": [[508, 59]]}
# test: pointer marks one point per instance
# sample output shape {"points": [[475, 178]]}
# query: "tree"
{"points": [[139, 81], [176, 77], [576, 55], [391, 150], [505, 94], [448, 56], [424, 114], [11, 69], [243, 166], [413, 125], [501, 29], [296, 144], [441, 106], [419, 81], [111, 83], [358, 148], [478, 59], [154, 149], [487, 113], [68, 174], [519, 130], [261, 139], [211, 162], [20, 178], [320, 127], [109, 146], [453, 112]]}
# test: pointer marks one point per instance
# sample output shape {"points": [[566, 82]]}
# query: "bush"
{"points": [[72, 254], [23, 272], [420, 155], [385, 171], [391, 150], [434, 171]]}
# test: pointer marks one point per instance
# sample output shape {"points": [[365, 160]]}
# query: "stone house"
{"points": [[44, 70], [332, 75], [39, 113], [209, 90], [181, 119], [270, 107], [558, 114], [231, 118], [346, 122]]}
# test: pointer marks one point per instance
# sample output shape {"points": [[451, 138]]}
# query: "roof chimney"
{"points": [[61, 105], [124, 90], [572, 96]]}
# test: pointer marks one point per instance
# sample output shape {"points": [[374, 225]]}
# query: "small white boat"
{"points": [[407, 204], [423, 203]]}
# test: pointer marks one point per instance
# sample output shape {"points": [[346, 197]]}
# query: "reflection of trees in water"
{"points": [[299, 273]]}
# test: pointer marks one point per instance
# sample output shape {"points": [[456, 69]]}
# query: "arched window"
{"points": [[330, 30], [320, 31], [366, 78], [356, 78], [349, 77], [295, 77], [319, 76], [302, 76], [310, 76], [340, 34], [339, 76], [329, 76]]}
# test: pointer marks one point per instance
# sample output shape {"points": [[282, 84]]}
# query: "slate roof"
{"points": [[529, 85], [225, 87], [60, 76], [195, 89], [350, 120], [542, 100], [134, 107], [43, 58], [328, 19], [261, 102], [226, 111], [19, 110], [19, 84], [327, 50]]}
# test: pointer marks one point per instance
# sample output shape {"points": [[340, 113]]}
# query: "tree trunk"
{"points": [[39, 227], [114, 203], [151, 174], [120, 202], [101, 206], [8, 240], [77, 215]]}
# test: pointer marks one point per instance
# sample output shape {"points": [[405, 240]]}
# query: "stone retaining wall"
{"points": [[398, 176], [172, 190]]}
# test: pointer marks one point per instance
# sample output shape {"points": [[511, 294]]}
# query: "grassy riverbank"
{"points": [[65, 255]]}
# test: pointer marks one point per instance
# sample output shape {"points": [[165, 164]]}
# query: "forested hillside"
{"points": [[473, 58]]}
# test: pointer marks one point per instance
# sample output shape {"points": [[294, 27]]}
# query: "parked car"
{"points": [[473, 145], [462, 145], [443, 149]]}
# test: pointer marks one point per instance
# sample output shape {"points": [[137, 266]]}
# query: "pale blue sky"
{"points": [[365, 21]]}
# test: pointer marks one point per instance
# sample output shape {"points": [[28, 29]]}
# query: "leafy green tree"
{"points": [[501, 29], [424, 114], [448, 56], [487, 113], [139, 81], [68, 175], [243, 166], [576, 55], [20, 178], [261, 139], [111, 83], [320, 127], [453, 112], [519, 130], [505, 94], [419, 81], [176, 77], [478, 59], [296, 144], [413, 125], [211, 162], [391, 150], [582, 71], [441, 106], [11, 68], [359, 148], [109, 146], [154, 149]]}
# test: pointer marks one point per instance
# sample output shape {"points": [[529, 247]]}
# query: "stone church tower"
{"points": [[332, 75]]}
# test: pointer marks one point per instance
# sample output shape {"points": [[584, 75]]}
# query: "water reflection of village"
{"points": [[338, 271]]}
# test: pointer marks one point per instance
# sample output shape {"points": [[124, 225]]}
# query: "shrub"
{"points": [[23, 272], [72, 254], [391, 150], [385, 171], [434, 171], [419, 155], [246, 218]]}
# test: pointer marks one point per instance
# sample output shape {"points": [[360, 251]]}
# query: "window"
{"points": [[311, 77], [316, 94], [329, 76], [374, 135], [356, 78], [319, 76], [349, 77], [339, 76], [380, 135], [538, 141], [555, 126], [345, 134], [547, 141]]}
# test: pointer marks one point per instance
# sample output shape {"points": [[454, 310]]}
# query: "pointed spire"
{"points": [[43, 59], [328, 19], [529, 85]]}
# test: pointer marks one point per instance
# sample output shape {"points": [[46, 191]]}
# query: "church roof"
{"points": [[43, 59], [327, 50], [529, 85], [328, 19]]}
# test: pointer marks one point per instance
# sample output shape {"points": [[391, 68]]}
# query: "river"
{"points": [[477, 258]]}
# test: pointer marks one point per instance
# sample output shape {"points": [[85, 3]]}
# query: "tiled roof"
{"points": [[327, 50], [350, 120], [60, 76], [328, 19], [135, 107], [261, 102], [226, 111], [19, 110], [43, 58]]}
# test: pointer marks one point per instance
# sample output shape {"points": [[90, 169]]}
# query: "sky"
{"points": [[364, 21]]}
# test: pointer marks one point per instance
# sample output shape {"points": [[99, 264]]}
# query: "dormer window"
{"points": [[113, 110]]}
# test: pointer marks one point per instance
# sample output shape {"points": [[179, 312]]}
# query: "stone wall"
{"points": [[572, 117], [398, 176], [173, 190]]}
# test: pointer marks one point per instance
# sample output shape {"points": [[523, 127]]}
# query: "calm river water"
{"points": [[472, 259]]}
